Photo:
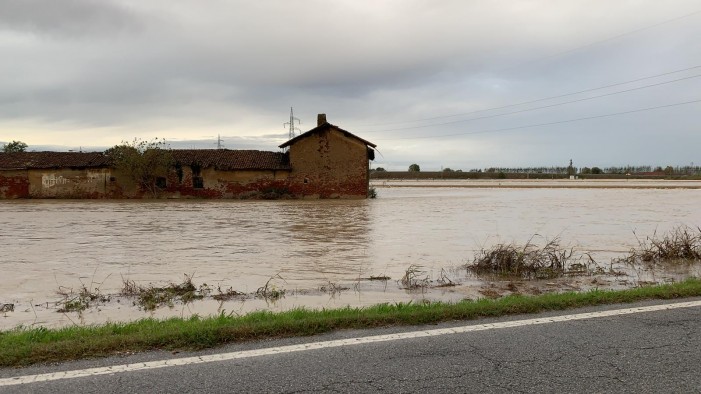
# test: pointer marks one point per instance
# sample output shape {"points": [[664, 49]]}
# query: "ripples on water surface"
{"points": [[47, 244]]}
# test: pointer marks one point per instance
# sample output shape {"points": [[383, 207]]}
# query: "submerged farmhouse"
{"points": [[324, 162]]}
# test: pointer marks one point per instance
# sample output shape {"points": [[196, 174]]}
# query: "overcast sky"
{"points": [[424, 80]]}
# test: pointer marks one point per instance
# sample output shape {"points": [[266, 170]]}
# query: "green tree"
{"points": [[146, 163], [380, 169], [596, 170], [585, 170], [14, 146], [414, 168], [669, 170]]}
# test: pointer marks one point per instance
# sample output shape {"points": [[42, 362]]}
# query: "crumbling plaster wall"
{"points": [[327, 164], [69, 183]]}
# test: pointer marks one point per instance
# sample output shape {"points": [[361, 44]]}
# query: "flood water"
{"points": [[59, 245]]}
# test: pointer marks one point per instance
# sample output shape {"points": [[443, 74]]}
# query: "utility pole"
{"points": [[219, 141], [291, 123]]}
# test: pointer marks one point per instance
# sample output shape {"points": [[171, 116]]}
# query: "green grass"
{"points": [[25, 346]]}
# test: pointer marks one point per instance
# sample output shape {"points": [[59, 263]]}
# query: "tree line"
{"points": [[571, 170]]}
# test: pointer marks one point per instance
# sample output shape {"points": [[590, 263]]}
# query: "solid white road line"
{"points": [[330, 344]]}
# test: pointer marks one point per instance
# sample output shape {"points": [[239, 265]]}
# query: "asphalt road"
{"points": [[658, 351]]}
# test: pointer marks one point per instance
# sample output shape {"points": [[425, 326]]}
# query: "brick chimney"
{"points": [[320, 119]]}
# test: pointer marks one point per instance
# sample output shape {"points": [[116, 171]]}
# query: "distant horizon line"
{"points": [[390, 168]]}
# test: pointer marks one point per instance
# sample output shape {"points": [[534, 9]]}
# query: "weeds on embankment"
{"points": [[25, 346]]}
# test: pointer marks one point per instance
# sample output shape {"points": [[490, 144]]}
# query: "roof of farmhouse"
{"points": [[221, 159], [323, 124], [226, 159], [32, 160]]}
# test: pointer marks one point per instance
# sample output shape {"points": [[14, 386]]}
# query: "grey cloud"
{"points": [[240, 65], [66, 17]]}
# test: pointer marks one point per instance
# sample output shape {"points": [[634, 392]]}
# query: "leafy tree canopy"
{"points": [[414, 168], [143, 161], [14, 146]]}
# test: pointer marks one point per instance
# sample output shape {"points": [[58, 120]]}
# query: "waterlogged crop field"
{"points": [[83, 262]]}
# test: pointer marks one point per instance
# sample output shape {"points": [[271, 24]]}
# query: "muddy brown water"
{"points": [[59, 245]]}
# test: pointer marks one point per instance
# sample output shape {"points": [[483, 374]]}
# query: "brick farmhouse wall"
{"points": [[328, 164]]}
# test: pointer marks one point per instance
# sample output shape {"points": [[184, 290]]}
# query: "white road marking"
{"points": [[330, 344]]}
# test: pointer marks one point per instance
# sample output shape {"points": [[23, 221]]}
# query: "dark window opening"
{"points": [[196, 169], [112, 179], [306, 180], [179, 172], [161, 182], [197, 182]]}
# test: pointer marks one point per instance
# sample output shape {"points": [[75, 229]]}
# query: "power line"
{"points": [[546, 124], [536, 100], [537, 108]]}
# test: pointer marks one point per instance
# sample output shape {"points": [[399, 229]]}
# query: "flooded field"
{"points": [[317, 253]]}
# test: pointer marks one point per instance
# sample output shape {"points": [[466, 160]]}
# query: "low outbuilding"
{"points": [[324, 162]]}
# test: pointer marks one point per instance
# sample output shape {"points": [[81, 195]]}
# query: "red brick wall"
{"points": [[14, 184]]}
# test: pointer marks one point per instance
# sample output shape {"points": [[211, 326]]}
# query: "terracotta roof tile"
{"points": [[221, 159], [27, 160], [225, 159]]}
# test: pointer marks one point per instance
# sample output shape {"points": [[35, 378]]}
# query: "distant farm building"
{"points": [[325, 162]]}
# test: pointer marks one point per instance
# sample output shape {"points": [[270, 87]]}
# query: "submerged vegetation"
{"points": [[151, 297], [25, 346], [528, 261], [78, 301], [681, 244]]}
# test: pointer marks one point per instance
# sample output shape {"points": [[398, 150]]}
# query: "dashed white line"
{"points": [[331, 344]]}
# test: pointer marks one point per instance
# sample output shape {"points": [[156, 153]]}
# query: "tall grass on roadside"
{"points": [[25, 346]]}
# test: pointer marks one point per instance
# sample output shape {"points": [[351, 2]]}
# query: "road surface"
{"points": [[645, 347]]}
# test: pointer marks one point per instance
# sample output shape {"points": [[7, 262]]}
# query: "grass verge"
{"points": [[25, 346]]}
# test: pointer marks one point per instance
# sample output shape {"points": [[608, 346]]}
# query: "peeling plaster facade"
{"points": [[329, 162], [325, 162]]}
